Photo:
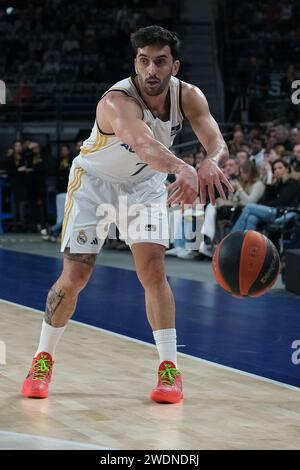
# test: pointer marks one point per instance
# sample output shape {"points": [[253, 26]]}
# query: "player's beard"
{"points": [[156, 89]]}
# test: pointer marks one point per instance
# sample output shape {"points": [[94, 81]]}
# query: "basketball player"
{"points": [[127, 155]]}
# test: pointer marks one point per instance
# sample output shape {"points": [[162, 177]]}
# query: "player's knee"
{"points": [[252, 220], [152, 272], [246, 211], [75, 280], [250, 206]]}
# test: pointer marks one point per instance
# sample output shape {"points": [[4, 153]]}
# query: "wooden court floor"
{"points": [[100, 396]]}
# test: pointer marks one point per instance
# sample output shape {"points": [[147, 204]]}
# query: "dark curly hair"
{"points": [[154, 34]]}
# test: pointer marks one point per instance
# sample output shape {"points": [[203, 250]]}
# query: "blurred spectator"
{"points": [[78, 145], [294, 136], [231, 169], [242, 156], [273, 155], [255, 132], [235, 144], [257, 152], [248, 189], [183, 224], [280, 150], [64, 166], [66, 37], [282, 191], [36, 184], [260, 43], [295, 163], [281, 136], [16, 173]]}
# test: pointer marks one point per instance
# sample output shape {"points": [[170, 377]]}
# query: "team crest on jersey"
{"points": [[82, 237], [126, 146]]}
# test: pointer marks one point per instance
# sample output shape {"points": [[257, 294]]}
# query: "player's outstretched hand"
{"points": [[211, 176], [185, 189]]}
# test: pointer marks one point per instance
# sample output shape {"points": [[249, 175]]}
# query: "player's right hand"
{"points": [[185, 189]]}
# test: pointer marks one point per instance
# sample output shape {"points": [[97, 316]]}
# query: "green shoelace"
{"points": [[41, 368], [168, 375]]}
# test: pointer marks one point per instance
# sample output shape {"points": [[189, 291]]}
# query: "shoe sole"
{"points": [[34, 394], [160, 397]]}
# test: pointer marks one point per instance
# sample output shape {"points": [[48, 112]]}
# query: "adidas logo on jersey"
{"points": [[95, 241]]}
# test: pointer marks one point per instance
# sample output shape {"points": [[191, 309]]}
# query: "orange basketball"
{"points": [[246, 264]]}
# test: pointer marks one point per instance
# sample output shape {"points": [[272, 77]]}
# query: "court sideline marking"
{"points": [[72, 445], [194, 358]]}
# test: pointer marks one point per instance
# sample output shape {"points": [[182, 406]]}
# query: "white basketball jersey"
{"points": [[105, 156]]}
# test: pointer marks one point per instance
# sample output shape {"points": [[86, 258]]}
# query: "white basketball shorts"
{"points": [[138, 209]]}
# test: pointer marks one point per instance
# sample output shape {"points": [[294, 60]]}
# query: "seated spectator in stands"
{"points": [[63, 170], [184, 229], [257, 152], [246, 148], [281, 136], [78, 145], [271, 141], [280, 150], [242, 156], [255, 132], [273, 154], [295, 163], [231, 168], [36, 185], [282, 191], [183, 226], [294, 136], [15, 168], [235, 144], [248, 189], [266, 172]]}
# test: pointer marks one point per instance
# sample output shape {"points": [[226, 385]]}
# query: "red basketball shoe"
{"points": [[37, 381], [169, 387]]}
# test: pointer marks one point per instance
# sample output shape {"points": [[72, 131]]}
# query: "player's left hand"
{"points": [[211, 176]]}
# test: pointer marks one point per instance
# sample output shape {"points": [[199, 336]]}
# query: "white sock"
{"points": [[165, 341], [49, 339]]}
